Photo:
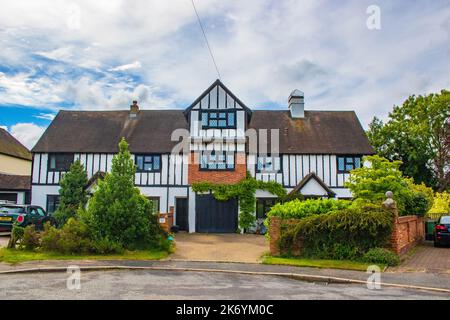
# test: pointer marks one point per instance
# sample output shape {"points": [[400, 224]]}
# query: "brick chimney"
{"points": [[297, 104], [134, 109]]}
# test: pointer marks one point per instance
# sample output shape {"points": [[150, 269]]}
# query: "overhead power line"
{"points": [[206, 39]]}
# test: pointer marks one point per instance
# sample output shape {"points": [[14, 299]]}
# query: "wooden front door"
{"points": [[181, 213]]}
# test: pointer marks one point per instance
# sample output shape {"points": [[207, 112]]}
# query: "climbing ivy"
{"points": [[245, 192]]}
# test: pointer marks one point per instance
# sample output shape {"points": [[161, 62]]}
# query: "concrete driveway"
{"points": [[219, 247], [3, 241]]}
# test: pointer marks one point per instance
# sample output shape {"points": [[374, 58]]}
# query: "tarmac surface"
{"points": [[154, 284]]}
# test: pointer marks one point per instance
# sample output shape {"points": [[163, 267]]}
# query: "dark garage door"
{"points": [[215, 216]]}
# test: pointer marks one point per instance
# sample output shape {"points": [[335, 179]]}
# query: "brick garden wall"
{"points": [[276, 227], [407, 232]]}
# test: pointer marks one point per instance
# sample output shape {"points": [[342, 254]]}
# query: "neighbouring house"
{"points": [[15, 170], [216, 139]]}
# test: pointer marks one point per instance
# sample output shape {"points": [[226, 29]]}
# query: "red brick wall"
{"points": [[227, 177], [275, 227], [408, 231], [166, 219]]}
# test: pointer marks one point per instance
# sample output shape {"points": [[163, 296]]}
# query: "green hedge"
{"points": [[381, 255], [298, 209], [342, 234]]}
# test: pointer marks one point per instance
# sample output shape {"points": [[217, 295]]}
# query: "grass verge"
{"points": [[319, 263], [13, 256]]}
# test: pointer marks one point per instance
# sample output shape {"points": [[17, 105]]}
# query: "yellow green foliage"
{"points": [[441, 203]]}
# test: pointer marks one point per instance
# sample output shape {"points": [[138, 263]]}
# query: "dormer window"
{"points": [[218, 119]]}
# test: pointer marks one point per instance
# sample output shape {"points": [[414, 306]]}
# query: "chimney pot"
{"points": [[134, 109]]}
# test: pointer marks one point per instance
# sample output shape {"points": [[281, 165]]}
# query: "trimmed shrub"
{"points": [[341, 234], [298, 209], [106, 246], [50, 238], [381, 255], [73, 237], [31, 238]]}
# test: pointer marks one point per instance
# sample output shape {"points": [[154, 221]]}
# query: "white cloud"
{"points": [[27, 133], [23, 89], [46, 116], [89, 94], [62, 54], [264, 50], [125, 67]]}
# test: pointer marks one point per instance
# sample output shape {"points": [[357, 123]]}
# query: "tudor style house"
{"points": [[15, 170], [216, 139]]}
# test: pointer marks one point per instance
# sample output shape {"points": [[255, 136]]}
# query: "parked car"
{"points": [[442, 231], [23, 215]]}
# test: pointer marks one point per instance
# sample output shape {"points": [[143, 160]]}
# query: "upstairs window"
{"points": [[347, 163], [220, 119], [217, 160], [268, 164], [60, 161], [148, 163]]}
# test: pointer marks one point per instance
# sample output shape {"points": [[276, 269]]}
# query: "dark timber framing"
{"points": [[227, 91]]}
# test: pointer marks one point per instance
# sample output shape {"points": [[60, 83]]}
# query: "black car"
{"points": [[442, 231], [23, 215]]}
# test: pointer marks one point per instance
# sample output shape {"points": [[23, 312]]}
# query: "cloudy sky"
{"points": [[100, 55]]}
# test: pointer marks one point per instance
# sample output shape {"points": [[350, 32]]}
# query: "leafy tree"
{"points": [[72, 193], [371, 182], [418, 134], [118, 212], [441, 203]]}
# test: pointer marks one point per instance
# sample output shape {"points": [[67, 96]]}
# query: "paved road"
{"points": [[189, 285]]}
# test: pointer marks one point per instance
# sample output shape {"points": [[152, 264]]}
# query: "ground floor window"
{"points": [[52, 203], [155, 204], [263, 206], [6, 197]]}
